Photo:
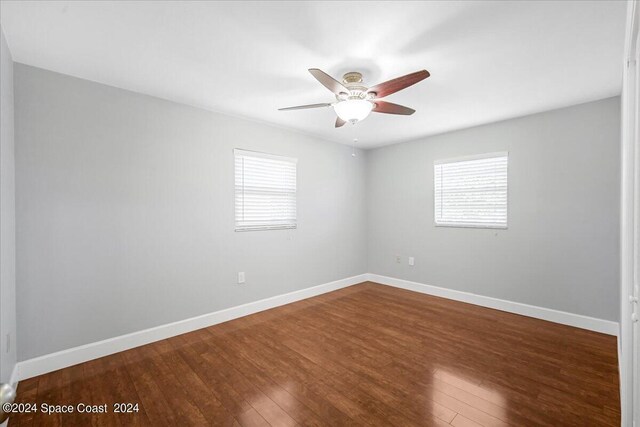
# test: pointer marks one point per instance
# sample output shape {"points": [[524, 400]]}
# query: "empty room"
{"points": [[319, 213]]}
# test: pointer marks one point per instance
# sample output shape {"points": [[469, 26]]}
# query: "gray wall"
{"points": [[125, 213], [561, 248], [7, 217]]}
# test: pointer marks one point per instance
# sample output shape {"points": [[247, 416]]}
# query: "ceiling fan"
{"points": [[354, 101]]}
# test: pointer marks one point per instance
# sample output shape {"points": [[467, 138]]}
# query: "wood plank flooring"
{"points": [[364, 355]]}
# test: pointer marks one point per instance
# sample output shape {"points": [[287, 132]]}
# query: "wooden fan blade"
{"points": [[392, 86], [391, 108], [339, 122], [302, 107], [327, 81]]}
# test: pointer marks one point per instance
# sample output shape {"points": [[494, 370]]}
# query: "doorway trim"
{"points": [[630, 223]]}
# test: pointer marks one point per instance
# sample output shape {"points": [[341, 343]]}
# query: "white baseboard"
{"points": [[579, 321], [62, 359]]}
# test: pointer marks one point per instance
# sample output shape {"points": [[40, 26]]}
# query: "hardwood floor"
{"points": [[365, 355]]}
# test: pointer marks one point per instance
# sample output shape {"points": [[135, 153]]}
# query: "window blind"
{"points": [[265, 191], [472, 191]]}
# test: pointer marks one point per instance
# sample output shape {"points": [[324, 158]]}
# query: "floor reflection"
{"points": [[471, 401]]}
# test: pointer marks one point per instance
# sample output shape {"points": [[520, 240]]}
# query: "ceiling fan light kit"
{"points": [[353, 110], [354, 101]]}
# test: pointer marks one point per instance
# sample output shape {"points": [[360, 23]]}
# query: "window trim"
{"points": [[472, 157], [465, 159], [260, 154]]}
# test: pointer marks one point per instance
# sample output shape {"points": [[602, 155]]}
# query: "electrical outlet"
{"points": [[412, 261], [398, 259], [241, 277]]}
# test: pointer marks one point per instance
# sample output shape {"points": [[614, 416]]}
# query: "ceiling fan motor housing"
{"points": [[353, 81]]}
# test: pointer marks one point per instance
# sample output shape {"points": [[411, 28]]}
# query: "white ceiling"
{"points": [[488, 60]]}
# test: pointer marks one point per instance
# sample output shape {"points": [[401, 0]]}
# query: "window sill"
{"points": [[487, 226], [279, 227]]}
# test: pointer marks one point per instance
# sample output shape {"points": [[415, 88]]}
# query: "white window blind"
{"points": [[265, 187], [471, 191]]}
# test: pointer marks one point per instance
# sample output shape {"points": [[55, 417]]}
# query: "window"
{"points": [[471, 191], [265, 191]]}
